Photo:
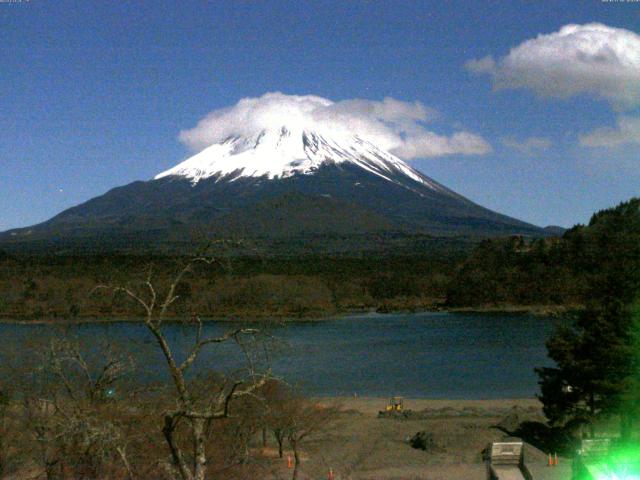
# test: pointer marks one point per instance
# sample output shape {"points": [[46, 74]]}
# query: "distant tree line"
{"points": [[50, 287], [520, 271], [497, 273]]}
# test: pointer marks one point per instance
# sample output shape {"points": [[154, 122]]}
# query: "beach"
{"points": [[358, 445]]}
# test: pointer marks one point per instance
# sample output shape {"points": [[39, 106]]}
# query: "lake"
{"points": [[428, 355]]}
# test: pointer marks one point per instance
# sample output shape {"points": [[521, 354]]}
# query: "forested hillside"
{"points": [[513, 273], [554, 271], [58, 287]]}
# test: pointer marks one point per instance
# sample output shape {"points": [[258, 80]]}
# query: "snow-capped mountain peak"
{"points": [[284, 151], [323, 185]]}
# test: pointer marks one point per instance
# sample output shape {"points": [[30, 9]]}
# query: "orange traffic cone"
{"points": [[555, 460], [550, 462], [330, 477], [289, 461]]}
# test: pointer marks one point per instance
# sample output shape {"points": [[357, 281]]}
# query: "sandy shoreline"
{"points": [[371, 405], [361, 446]]}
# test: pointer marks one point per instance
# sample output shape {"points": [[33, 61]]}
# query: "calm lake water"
{"points": [[430, 355]]}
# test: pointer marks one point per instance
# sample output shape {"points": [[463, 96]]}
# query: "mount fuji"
{"points": [[281, 183]]}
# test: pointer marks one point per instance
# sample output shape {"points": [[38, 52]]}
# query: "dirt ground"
{"points": [[360, 446]]}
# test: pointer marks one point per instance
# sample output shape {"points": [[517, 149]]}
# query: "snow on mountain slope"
{"points": [[296, 183], [283, 152]]}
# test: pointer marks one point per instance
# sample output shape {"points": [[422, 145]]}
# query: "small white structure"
{"points": [[506, 461]]}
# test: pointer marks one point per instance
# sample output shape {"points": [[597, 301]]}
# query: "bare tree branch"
{"points": [[199, 344], [196, 414]]}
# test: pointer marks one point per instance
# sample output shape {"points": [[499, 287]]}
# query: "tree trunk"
{"points": [[53, 470], [279, 439], [264, 437], [200, 454], [123, 456], [296, 457], [176, 454]]}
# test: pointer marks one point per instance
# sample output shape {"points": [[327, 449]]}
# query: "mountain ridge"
{"points": [[278, 183]]}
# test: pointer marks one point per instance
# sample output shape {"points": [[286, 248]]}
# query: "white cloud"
{"points": [[528, 146], [429, 144], [481, 65], [394, 125], [626, 132], [594, 58]]}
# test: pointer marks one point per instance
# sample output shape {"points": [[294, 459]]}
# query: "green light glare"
{"points": [[623, 464]]}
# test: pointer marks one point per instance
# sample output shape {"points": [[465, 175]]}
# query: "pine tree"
{"points": [[596, 356]]}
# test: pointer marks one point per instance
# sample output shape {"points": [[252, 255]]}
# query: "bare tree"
{"points": [[307, 418], [278, 400], [293, 418], [67, 409], [194, 408]]}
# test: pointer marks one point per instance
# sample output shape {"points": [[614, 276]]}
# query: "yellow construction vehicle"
{"points": [[395, 404]]}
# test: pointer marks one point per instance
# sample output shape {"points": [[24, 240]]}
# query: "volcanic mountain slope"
{"points": [[278, 183]]}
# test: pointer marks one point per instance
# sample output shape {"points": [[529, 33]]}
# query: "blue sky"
{"points": [[94, 94]]}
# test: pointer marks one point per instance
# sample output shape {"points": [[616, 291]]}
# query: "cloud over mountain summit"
{"points": [[393, 125]]}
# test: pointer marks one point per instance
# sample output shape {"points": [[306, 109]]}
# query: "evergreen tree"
{"points": [[596, 356]]}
